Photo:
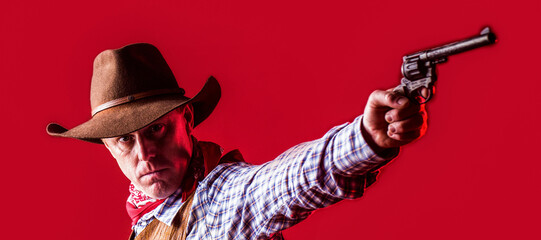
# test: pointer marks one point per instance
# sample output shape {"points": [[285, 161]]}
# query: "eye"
{"points": [[125, 139], [157, 128]]}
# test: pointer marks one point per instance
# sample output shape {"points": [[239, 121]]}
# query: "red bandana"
{"points": [[138, 204]]}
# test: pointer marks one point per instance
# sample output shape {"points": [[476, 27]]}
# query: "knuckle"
{"points": [[373, 96], [376, 93], [381, 98], [389, 97]]}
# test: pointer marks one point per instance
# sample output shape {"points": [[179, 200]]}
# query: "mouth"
{"points": [[153, 173]]}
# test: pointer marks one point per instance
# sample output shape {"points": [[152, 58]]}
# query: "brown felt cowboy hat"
{"points": [[131, 87]]}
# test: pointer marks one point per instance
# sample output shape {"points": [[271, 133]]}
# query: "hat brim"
{"points": [[132, 116]]}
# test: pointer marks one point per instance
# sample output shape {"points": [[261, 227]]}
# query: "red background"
{"points": [[289, 72]]}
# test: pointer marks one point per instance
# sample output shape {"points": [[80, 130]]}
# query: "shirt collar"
{"points": [[167, 211]]}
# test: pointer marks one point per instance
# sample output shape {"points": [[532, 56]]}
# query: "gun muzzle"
{"points": [[486, 37]]}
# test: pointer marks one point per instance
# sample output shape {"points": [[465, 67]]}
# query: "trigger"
{"points": [[423, 95]]}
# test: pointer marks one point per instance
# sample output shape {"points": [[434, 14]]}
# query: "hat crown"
{"points": [[130, 70], [132, 87]]}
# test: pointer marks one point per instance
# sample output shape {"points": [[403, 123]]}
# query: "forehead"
{"points": [[176, 116]]}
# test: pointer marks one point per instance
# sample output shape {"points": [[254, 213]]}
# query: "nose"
{"points": [[146, 149]]}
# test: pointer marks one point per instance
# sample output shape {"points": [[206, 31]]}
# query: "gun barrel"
{"points": [[486, 38]]}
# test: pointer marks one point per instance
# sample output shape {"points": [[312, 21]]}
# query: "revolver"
{"points": [[419, 69]]}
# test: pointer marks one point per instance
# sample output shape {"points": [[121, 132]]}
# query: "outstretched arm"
{"points": [[252, 202]]}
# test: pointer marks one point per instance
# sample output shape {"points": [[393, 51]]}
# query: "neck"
{"points": [[195, 172]]}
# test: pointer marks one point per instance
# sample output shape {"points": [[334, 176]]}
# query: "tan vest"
{"points": [[177, 231]]}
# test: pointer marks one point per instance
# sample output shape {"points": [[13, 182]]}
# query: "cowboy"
{"points": [[182, 188]]}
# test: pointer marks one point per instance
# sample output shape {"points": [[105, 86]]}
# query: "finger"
{"points": [[424, 92], [389, 99], [395, 115], [413, 123], [405, 137]]}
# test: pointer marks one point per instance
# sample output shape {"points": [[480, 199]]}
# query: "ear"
{"points": [[188, 115], [106, 144]]}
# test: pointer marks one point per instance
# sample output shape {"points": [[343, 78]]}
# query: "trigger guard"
{"points": [[419, 97]]}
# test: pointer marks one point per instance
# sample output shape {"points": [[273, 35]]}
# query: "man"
{"points": [[185, 189]]}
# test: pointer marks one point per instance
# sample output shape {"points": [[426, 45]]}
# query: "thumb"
{"points": [[387, 99]]}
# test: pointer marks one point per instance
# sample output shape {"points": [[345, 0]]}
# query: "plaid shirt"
{"points": [[244, 201]]}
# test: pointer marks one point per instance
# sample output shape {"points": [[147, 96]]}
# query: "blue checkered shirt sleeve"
{"points": [[243, 201]]}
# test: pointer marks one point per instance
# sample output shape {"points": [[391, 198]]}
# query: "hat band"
{"points": [[131, 98]]}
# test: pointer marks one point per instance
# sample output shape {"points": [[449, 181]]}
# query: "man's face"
{"points": [[156, 157]]}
